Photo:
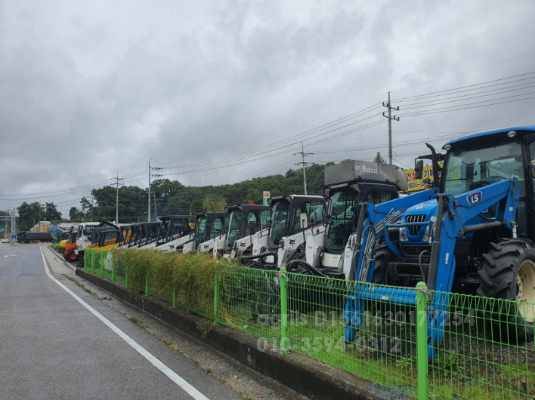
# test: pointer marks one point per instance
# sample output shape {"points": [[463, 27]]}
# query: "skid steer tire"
{"points": [[507, 272]]}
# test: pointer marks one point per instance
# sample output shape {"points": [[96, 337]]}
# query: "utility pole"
{"points": [[155, 206], [152, 175], [117, 180], [13, 225], [388, 115], [148, 210], [303, 163]]}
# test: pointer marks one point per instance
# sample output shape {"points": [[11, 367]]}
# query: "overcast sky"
{"points": [[92, 88]]}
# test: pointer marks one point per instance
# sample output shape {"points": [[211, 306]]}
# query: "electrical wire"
{"points": [[463, 98], [465, 107], [303, 136], [526, 76]]}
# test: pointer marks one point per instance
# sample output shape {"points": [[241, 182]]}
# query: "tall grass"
{"points": [[187, 280]]}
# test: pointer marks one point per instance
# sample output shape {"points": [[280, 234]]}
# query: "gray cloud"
{"points": [[89, 89]]}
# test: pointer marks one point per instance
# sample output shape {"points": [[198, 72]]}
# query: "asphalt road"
{"points": [[53, 347]]}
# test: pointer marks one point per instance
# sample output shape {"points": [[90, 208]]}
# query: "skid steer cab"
{"points": [[139, 234], [291, 217], [243, 221], [176, 232], [331, 251], [208, 227], [472, 232]]}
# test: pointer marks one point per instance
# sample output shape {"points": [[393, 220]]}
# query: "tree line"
{"points": [[170, 197]]}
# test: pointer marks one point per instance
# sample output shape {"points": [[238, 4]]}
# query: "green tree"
{"points": [[51, 213], [214, 203], [87, 207], [173, 198], [29, 215], [76, 215]]}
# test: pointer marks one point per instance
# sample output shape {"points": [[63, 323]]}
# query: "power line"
{"points": [[466, 97], [247, 160], [311, 133], [468, 106], [68, 190], [494, 82]]}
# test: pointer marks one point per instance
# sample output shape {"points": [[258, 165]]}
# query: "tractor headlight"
{"points": [[403, 234]]}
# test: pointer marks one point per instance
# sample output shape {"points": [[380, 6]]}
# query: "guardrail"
{"points": [[472, 348]]}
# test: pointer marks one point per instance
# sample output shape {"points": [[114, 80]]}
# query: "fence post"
{"points": [[216, 297], [283, 287], [113, 277], [422, 358], [146, 283], [126, 276], [86, 262]]}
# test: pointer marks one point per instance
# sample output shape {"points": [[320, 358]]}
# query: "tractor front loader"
{"points": [[471, 233]]}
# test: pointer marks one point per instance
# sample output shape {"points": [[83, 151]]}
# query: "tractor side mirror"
{"points": [[418, 169]]}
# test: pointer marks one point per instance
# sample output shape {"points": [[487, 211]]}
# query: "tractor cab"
{"points": [[470, 165]]}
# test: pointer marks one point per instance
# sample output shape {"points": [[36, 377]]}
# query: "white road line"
{"points": [[164, 369]]}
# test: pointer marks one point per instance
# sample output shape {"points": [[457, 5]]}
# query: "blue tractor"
{"points": [[472, 232]]}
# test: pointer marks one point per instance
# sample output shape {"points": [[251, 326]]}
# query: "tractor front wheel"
{"points": [[508, 272], [382, 274]]}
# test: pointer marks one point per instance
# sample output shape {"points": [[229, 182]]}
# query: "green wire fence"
{"points": [[486, 350]]}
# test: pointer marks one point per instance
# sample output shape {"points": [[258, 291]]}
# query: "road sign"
{"points": [[266, 196]]}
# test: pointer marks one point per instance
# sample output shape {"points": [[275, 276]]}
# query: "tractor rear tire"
{"points": [[507, 272]]}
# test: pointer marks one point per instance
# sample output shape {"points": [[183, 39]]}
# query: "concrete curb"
{"points": [[55, 253], [302, 374]]}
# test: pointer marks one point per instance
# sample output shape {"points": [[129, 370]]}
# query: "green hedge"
{"points": [[187, 280]]}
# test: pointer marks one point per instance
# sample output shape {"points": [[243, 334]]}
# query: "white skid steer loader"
{"points": [[243, 222], [331, 251]]}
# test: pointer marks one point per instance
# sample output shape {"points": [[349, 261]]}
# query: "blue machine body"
{"points": [[414, 218]]}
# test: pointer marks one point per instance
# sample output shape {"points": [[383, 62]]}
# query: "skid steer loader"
{"points": [[179, 232], [291, 217], [472, 232], [242, 223], [90, 234], [208, 227], [331, 251]]}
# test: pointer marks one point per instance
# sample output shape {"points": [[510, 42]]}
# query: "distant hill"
{"points": [[172, 197]]}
